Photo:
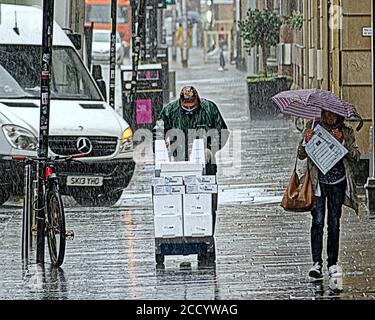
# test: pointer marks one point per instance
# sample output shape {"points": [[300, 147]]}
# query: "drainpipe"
{"points": [[252, 66], [306, 43], [329, 74]]}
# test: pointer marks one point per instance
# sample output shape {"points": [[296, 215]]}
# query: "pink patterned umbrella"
{"points": [[308, 104]]}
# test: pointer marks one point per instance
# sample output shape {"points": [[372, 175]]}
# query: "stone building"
{"points": [[282, 59], [337, 57]]}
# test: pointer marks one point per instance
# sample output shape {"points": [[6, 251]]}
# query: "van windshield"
{"points": [[102, 13], [20, 69]]}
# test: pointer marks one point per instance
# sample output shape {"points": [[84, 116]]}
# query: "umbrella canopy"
{"points": [[308, 104]]}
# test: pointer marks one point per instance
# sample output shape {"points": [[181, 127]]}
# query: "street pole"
{"points": [[200, 28], [184, 57], [112, 55], [48, 11], [137, 26], [154, 31], [370, 185], [174, 44], [373, 85]]}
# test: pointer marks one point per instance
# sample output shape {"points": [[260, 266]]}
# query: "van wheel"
{"points": [[92, 199], [4, 196], [207, 259]]}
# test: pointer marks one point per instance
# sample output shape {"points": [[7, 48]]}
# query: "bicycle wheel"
{"points": [[55, 227]]}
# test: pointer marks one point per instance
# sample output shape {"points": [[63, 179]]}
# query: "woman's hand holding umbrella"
{"points": [[308, 134]]}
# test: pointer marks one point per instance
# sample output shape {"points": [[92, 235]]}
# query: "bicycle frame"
{"points": [[49, 198]]}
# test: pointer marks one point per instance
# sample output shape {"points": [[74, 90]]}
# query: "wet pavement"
{"points": [[262, 252]]}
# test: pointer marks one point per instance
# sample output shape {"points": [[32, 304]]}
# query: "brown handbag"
{"points": [[298, 197]]}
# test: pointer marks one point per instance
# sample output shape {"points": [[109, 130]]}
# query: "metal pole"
{"points": [[26, 217], [48, 11], [174, 44], [373, 86], [185, 49], [139, 16], [200, 28], [112, 55], [134, 9], [154, 31]]}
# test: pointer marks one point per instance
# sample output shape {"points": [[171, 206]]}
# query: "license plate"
{"points": [[84, 181]]}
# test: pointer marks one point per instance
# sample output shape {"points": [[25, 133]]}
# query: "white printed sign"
{"points": [[324, 149], [367, 31]]}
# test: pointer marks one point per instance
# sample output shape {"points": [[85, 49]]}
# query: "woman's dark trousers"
{"points": [[334, 196]]}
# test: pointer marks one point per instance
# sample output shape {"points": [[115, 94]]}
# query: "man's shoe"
{"points": [[316, 271], [334, 271]]}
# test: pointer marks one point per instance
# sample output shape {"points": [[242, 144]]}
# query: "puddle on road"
{"points": [[46, 281], [250, 195]]}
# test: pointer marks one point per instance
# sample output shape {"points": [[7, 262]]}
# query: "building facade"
{"points": [[337, 57], [282, 59]]}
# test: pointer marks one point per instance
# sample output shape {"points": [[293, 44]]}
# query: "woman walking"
{"points": [[336, 188]]}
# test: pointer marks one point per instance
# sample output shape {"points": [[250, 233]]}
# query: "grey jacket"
{"points": [[351, 158]]}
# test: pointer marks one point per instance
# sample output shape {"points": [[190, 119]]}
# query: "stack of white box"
{"points": [[183, 201], [197, 205], [182, 196], [167, 198]]}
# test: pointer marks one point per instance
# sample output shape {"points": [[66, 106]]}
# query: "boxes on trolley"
{"points": [[197, 214], [168, 216], [183, 210], [182, 195]]}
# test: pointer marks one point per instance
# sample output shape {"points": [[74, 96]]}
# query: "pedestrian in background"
{"points": [[222, 48], [181, 42], [336, 188], [222, 56]]}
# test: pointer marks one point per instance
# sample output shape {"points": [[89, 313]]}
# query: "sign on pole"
{"points": [[45, 81], [112, 55]]}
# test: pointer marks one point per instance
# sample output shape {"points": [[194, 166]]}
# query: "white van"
{"points": [[80, 119]]}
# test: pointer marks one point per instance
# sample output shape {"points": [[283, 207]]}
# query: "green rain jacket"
{"points": [[207, 116]]}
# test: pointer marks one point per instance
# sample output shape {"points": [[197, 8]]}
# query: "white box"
{"points": [[197, 225], [181, 166], [181, 173], [168, 190], [201, 188], [192, 179], [167, 205], [168, 227], [167, 181], [197, 203]]}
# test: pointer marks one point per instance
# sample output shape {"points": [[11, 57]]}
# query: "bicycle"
{"points": [[54, 216]]}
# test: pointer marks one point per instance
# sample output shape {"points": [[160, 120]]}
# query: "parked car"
{"points": [[80, 119], [101, 47]]}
